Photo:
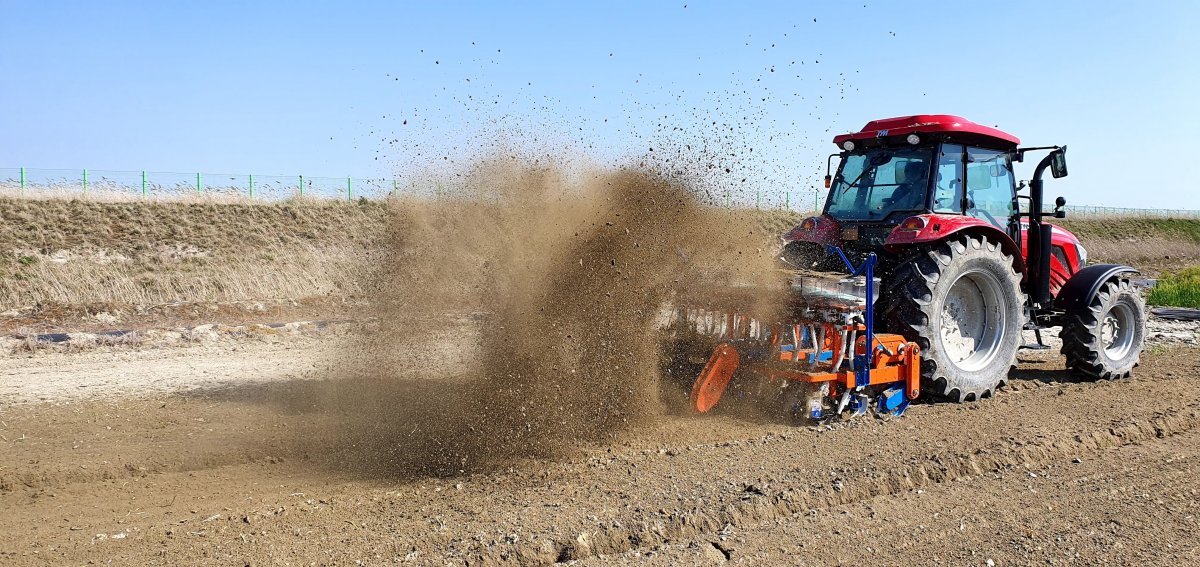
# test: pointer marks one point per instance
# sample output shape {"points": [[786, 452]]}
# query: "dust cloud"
{"points": [[566, 278]]}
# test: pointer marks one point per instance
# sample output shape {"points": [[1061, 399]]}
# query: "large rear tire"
{"points": [[1105, 338], [961, 301]]}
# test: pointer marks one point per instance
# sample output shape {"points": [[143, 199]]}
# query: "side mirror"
{"points": [[1059, 213], [1058, 163], [828, 180]]}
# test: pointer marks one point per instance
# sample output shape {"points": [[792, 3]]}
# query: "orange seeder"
{"points": [[823, 343]]}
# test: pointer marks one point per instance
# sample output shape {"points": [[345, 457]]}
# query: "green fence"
{"points": [[105, 184], [145, 184], [1089, 211], [155, 184]]}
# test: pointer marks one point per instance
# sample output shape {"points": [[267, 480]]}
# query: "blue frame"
{"points": [[862, 371]]}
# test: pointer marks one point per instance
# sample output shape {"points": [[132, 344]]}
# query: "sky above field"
{"points": [[750, 93]]}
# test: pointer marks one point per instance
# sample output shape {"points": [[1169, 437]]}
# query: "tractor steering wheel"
{"points": [[988, 216]]}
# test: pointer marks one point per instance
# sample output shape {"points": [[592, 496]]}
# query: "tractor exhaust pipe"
{"points": [[1039, 234]]}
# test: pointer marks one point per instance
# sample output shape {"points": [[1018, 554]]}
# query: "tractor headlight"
{"points": [[1082, 252], [913, 139], [848, 145]]}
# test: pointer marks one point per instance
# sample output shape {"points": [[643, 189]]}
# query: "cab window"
{"points": [[881, 183], [990, 187], [948, 196]]}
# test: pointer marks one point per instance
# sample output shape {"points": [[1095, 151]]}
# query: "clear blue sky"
{"points": [[325, 89]]}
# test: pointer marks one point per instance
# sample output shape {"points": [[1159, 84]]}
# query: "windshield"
{"points": [[875, 184]]}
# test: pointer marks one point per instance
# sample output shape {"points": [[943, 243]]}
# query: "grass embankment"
{"points": [[80, 262], [94, 256], [73, 252], [1133, 227], [1150, 244], [1153, 245]]}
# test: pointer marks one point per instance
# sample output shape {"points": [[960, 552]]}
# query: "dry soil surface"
{"points": [[221, 464]]}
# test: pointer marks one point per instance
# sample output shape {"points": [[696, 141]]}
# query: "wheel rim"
{"points": [[974, 320], [1116, 331]]}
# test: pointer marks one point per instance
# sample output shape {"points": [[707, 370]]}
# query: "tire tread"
{"points": [[910, 307], [1081, 339]]}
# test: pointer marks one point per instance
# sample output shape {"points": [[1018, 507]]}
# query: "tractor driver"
{"points": [[910, 193]]}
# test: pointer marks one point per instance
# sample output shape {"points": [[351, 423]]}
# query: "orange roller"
{"points": [[715, 377]]}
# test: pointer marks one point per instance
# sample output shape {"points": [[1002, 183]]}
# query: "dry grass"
{"points": [[1151, 244], [138, 227], [274, 272], [122, 194], [90, 252], [87, 252]]}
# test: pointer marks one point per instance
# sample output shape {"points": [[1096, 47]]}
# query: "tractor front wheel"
{"points": [[961, 301], [1105, 338]]}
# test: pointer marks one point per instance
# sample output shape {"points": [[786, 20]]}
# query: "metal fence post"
{"points": [[22, 181], [395, 187], [348, 198], [143, 184], [85, 182], [787, 200], [301, 185], [197, 181], [251, 186]]}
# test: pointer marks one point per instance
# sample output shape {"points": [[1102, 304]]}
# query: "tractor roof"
{"points": [[938, 126]]}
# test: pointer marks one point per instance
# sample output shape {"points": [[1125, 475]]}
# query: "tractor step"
{"points": [[1039, 345]]}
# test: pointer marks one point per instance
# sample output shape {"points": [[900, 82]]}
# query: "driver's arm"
{"points": [[912, 198]]}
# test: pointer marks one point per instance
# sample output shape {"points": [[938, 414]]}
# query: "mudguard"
{"points": [[1081, 289], [939, 227]]}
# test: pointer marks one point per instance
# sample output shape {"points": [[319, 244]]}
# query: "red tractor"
{"points": [[964, 269], [940, 271]]}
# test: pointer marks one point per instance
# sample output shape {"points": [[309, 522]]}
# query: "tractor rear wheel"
{"points": [[1105, 338], [961, 301]]}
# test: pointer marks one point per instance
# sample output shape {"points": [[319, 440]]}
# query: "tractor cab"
{"points": [[898, 168], [912, 180], [889, 184]]}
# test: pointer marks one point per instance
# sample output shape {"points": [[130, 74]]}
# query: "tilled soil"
{"points": [[230, 470]]}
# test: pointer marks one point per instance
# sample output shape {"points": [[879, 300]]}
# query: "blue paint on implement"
{"points": [[824, 356], [892, 401], [862, 371]]}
